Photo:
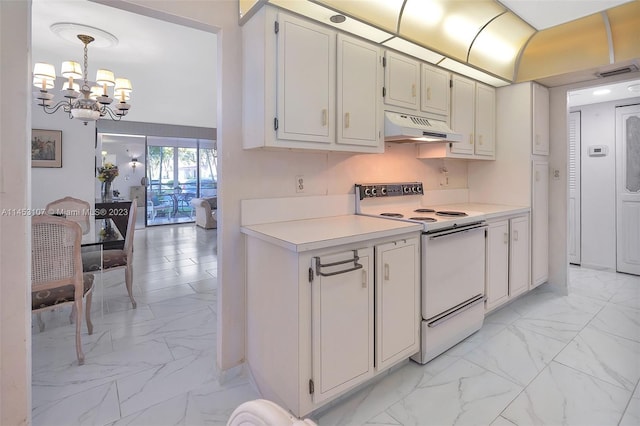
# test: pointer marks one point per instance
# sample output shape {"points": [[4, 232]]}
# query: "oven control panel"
{"points": [[371, 190]]}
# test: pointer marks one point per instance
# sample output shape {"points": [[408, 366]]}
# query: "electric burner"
{"points": [[424, 210], [450, 213], [424, 219], [391, 214]]}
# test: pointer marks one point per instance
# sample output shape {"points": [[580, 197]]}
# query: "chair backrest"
{"points": [[73, 209], [131, 227], [55, 253]]}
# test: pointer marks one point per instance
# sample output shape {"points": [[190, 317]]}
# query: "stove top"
{"points": [[403, 201]]}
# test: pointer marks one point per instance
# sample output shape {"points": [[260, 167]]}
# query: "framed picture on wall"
{"points": [[46, 148]]}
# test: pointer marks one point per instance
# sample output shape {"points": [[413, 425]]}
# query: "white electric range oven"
{"points": [[452, 261]]}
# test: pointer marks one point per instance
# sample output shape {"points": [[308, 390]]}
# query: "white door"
{"points": [[342, 321], [574, 187], [540, 222], [497, 280], [397, 301], [359, 92], [519, 256], [628, 189], [485, 116], [306, 81], [401, 75], [462, 113], [436, 93]]}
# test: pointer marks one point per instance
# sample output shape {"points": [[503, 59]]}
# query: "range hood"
{"points": [[400, 127]]}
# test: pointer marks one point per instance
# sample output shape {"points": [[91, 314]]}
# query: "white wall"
{"points": [[123, 149], [15, 229], [598, 207], [76, 177]]}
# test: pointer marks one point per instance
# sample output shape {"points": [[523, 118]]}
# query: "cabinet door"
{"points": [[397, 301], [519, 256], [435, 95], [359, 93], [401, 75], [342, 322], [306, 81], [540, 223], [540, 120], [497, 279], [485, 116], [462, 113]]}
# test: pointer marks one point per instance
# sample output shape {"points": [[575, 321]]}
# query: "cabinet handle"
{"points": [[413, 90], [470, 138], [386, 272], [515, 235], [364, 279], [428, 93], [325, 117], [506, 238], [347, 119]]}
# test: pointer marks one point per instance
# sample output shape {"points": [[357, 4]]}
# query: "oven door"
{"points": [[453, 268]]}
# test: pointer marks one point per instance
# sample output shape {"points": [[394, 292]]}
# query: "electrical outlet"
{"points": [[299, 183]]}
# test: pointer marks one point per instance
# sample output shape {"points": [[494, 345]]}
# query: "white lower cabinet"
{"points": [[507, 269], [397, 301], [322, 322]]}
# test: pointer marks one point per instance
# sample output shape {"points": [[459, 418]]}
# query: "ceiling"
{"points": [[173, 68]]}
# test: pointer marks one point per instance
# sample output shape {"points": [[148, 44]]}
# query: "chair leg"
{"points": [[78, 305], [72, 315], [128, 279], [88, 312], [41, 324]]}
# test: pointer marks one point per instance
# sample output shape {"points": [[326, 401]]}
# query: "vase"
{"points": [[105, 192]]}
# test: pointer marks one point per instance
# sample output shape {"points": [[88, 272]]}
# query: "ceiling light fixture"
{"points": [[84, 103]]}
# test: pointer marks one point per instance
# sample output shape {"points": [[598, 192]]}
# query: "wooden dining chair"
{"points": [[73, 209], [116, 258], [57, 278]]}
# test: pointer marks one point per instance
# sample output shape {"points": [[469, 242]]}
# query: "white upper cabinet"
{"points": [[435, 91], [306, 78], [485, 116], [306, 87], [401, 81], [540, 135], [473, 114], [463, 103], [359, 110]]}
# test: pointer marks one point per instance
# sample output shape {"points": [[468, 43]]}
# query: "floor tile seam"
{"points": [[545, 335], [616, 385], [608, 333], [492, 372]]}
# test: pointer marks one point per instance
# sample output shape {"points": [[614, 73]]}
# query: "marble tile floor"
{"points": [[544, 359]]}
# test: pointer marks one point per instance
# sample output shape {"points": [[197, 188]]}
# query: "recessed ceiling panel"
{"points": [[625, 31], [381, 13], [448, 27], [542, 14], [566, 48], [498, 45]]}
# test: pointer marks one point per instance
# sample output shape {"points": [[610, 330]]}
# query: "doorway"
{"points": [[177, 171]]}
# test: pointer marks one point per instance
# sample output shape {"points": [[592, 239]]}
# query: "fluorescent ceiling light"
{"points": [[470, 72], [413, 49]]}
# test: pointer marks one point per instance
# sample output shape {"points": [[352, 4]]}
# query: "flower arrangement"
{"points": [[107, 173]]}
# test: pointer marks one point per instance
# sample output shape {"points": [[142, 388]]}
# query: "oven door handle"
{"points": [[456, 311], [457, 231]]}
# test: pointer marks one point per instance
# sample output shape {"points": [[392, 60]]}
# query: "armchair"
{"points": [[206, 212]]}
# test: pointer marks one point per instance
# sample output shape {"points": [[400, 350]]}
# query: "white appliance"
{"points": [[400, 127], [452, 262]]}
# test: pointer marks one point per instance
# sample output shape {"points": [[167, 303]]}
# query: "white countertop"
{"points": [[312, 234], [490, 211]]}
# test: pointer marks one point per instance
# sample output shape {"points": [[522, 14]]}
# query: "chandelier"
{"points": [[82, 102]]}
